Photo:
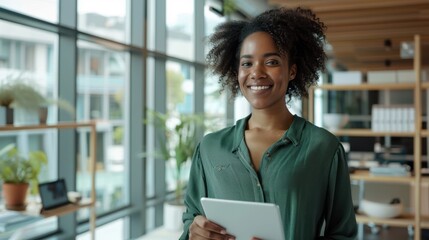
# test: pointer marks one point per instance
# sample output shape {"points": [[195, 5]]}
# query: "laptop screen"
{"points": [[53, 194]]}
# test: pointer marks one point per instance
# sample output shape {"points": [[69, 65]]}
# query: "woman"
{"points": [[272, 155]]}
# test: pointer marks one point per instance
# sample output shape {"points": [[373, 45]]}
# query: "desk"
{"points": [[30, 230], [92, 148], [161, 234], [44, 222]]}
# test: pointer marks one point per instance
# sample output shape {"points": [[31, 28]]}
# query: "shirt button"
{"points": [[258, 184]]}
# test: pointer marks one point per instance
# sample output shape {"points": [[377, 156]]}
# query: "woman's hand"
{"points": [[202, 228]]}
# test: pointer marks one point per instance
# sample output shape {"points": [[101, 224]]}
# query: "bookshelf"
{"points": [[416, 179], [85, 203]]}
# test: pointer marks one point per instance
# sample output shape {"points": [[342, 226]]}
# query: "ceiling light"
{"points": [[388, 44], [387, 62], [407, 50]]}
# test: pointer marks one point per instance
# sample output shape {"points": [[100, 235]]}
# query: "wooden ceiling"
{"points": [[358, 30]]}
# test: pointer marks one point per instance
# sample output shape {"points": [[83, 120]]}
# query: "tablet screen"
{"points": [[244, 219], [53, 194]]}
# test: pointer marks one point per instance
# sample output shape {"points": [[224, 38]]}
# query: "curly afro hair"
{"points": [[297, 33]]}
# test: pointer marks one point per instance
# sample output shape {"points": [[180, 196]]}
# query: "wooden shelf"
{"points": [[369, 133], [424, 179], [93, 156], [59, 211], [402, 221], [48, 126], [425, 133], [366, 176], [424, 223], [425, 85], [368, 86]]}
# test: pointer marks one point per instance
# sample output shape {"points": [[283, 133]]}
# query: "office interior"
{"points": [[117, 60]]}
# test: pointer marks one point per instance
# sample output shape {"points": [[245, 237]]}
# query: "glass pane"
{"points": [[101, 86], [180, 88], [44, 9], [180, 98], [214, 104], [105, 20], [111, 230], [180, 28], [29, 56], [150, 143], [211, 19], [215, 101]]}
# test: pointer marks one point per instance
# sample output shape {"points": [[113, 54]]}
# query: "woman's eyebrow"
{"points": [[265, 55], [272, 54], [246, 56]]}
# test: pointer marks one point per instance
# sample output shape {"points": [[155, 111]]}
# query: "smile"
{"points": [[259, 87]]}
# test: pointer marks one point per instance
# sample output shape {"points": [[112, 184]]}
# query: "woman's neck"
{"points": [[279, 119]]}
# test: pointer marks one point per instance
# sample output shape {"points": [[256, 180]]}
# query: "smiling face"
{"points": [[263, 73]]}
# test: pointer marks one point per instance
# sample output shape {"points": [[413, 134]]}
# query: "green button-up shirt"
{"points": [[305, 173]]}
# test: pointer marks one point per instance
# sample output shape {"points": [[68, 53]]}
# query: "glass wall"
{"points": [[180, 28], [27, 56], [215, 100], [85, 53], [46, 10], [106, 20], [101, 90], [180, 99]]}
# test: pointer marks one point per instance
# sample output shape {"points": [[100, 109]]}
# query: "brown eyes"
{"points": [[271, 62]]}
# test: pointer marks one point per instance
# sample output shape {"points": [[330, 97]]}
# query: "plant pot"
{"points": [[173, 216], [15, 195], [9, 116], [43, 115]]}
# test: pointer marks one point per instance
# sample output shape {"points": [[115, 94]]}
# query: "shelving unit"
{"points": [[93, 143], [366, 176], [416, 220]]}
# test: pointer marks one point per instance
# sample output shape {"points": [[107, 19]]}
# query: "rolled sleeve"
{"points": [[339, 210]]}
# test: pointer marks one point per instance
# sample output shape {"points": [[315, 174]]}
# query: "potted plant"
{"points": [[6, 99], [180, 142], [24, 96], [18, 173]]}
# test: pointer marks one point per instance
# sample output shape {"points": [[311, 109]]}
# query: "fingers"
{"points": [[202, 228]]}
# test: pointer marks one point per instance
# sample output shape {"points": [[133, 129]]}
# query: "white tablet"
{"points": [[244, 219]]}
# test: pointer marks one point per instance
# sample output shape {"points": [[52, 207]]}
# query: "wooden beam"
{"points": [[341, 5]]}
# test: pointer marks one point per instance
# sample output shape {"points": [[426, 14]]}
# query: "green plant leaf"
{"points": [[15, 168]]}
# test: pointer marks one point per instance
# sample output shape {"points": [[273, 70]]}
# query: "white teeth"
{"points": [[259, 87]]}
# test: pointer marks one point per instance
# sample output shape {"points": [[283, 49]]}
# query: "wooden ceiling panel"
{"points": [[357, 29]]}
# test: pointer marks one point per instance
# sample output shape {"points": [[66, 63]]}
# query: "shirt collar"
{"points": [[293, 134]]}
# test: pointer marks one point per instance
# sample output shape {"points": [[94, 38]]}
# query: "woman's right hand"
{"points": [[202, 228]]}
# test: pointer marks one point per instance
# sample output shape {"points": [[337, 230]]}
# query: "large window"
{"points": [[101, 87], [85, 52], [44, 9], [27, 55], [180, 28], [215, 101], [104, 19], [180, 99]]}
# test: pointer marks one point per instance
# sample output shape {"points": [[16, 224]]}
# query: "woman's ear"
{"points": [[292, 72]]}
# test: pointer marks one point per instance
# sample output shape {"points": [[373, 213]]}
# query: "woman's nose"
{"points": [[258, 72]]}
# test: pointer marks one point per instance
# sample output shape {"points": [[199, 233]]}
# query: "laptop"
{"points": [[53, 194], [244, 219]]}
